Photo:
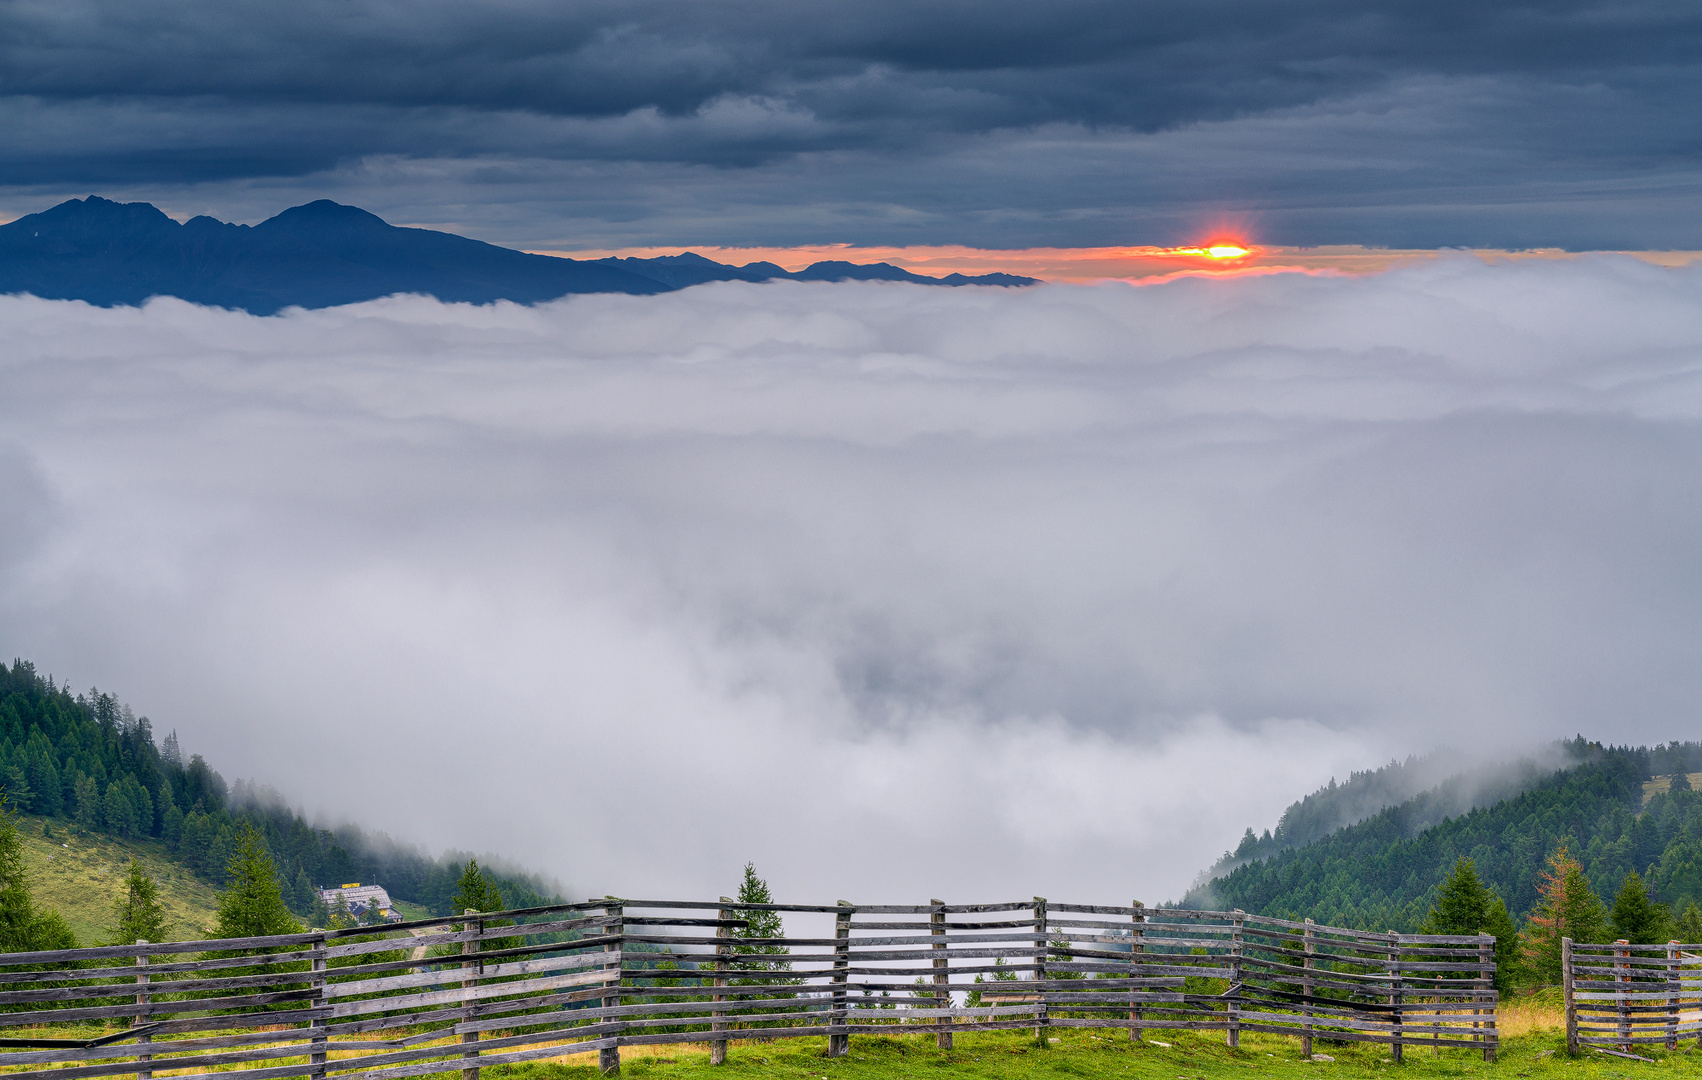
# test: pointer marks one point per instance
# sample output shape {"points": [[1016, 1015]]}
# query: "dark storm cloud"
{"points": [[989, 123]]}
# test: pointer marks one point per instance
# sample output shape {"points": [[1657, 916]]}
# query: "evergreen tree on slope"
{"points": [[1566, 907], [1636, 917], [252, 904], [138, 915], [1464, 905]]}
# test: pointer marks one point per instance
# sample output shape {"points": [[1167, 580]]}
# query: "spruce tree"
{"points": [[1566, 907], [319, 915], [1636, 917], [1464, 905], [138, 915], [474, 891], [252, 904], [1688, 926], [759, 924], [1680, 782]]}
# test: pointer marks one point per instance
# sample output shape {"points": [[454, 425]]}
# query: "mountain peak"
{"points": [[323, 214]]}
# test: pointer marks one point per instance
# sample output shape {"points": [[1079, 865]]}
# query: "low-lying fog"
{"points": [[899, 591]]}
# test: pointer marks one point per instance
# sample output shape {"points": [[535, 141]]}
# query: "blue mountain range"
{"points": [[324, 253]]}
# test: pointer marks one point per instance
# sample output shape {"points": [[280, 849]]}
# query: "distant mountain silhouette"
{"points": [[324, 253]]}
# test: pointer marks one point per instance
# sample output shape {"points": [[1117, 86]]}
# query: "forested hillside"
{"points": [[87, 760], [1382, 873], [1456, 784]]}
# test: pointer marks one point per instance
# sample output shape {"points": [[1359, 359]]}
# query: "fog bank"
{"points": [[898, 591]]}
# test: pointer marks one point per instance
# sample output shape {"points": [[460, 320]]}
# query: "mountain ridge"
{"points": [[324, 254]]}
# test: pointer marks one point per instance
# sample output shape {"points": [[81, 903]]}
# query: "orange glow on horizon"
{"points": [[1218, 250], [1213, 258]]}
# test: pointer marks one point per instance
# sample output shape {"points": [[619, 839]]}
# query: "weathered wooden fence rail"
{"points": [[443, 995], [1619, 995]]}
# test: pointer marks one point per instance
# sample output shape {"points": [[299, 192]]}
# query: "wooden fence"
{"points": [[1622, 994], [442, 995]]}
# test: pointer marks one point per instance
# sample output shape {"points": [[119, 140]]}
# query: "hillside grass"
{"points": [[82, 877], [1101, 1055], [1532, 1045], [1074, 1054]]}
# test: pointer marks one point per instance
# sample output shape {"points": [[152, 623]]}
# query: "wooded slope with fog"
{"points": [[88, 759]]}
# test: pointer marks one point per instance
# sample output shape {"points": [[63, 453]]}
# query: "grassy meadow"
{"points": [[1532, 1046], [83, 876]]}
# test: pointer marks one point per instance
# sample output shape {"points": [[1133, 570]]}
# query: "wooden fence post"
{"points": [[1397, 1002], [1233, 1015], [1136, 947], [1485, 983], [470, 947], [1622, 975], [942, 975], [1672, 996], [142, 1013], [317, 1026], [723, 949], [840, 1045], [1308, 984], [609, 1057], [1567, 994], [1042, 942]]}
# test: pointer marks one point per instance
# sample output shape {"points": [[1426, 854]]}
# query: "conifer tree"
{"points": [[301, 892], [1636, 917], [759, 924], [139, 915], [1566, 907], [474, 891], [319, 915], [1464, 905], [252, 904], [1688, 926], [340, 917], [1680, 782]]}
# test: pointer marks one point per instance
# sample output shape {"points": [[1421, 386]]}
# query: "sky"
{"points": [[605, 125], [898, 591]]}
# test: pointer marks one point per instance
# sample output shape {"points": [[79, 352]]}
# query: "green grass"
{"points": [[1532, 1046], [1101, 1055], [82, 877]]}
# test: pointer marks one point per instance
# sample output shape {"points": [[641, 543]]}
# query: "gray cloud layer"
{"points": [[997, 124], [1086, 579]]}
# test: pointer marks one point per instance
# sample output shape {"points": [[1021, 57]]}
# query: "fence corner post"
{"points": [[1397, 1002], [142, 1010], [1042, 942], [1308, 984], [317, 1026], [1485, 984], [470, 971], [1622, 957], [723, 949], [838, 1042], [1136, 946], [942, 974], [1567, 994], [1672, 995], [1232, 1006], [609, 1057]]}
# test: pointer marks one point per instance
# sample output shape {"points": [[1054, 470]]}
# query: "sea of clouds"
{"points": [[898, 591]]}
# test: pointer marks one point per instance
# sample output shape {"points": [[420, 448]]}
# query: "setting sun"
{"points": [[1226, 250]]}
